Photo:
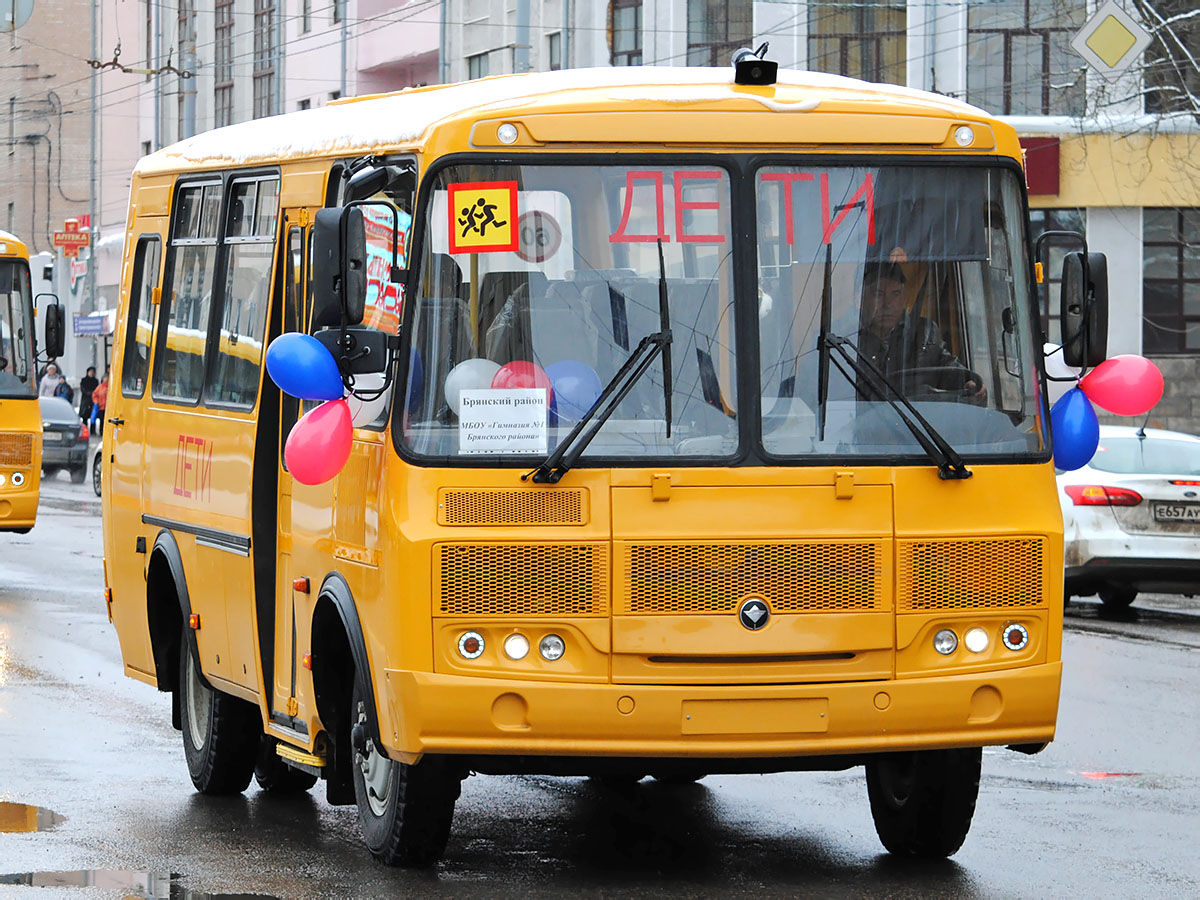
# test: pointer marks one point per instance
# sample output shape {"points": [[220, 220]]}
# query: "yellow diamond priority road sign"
{"points": [[1111, 41]]}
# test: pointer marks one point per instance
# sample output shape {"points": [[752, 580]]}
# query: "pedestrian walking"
{"points": [[64, 390], [49, 382], [87, 384], [99, 403]]}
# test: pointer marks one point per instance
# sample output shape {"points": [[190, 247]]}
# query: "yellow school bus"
{"points": [[699, 427], [20, 415]]}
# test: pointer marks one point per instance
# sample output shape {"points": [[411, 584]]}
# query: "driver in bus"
{"points": [[908, 348]]}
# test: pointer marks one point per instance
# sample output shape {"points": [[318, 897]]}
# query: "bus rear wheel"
{"points": [[220, 732], [405, 810], [922, 801]]}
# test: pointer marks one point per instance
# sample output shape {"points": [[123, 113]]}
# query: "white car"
{"points": [[1132, 516]]}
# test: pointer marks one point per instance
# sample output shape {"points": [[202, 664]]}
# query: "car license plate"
{"points": [[1177, 512], [52, 436]]}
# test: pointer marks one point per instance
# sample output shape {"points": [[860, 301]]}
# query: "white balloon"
{"points": [[470, 374], [364, 412], [1055, 367]]}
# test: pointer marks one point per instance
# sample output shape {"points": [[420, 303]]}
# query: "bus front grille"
{"points": [[539, 506], [670, 578], [521, 579], [16, 449], [970, 573]]}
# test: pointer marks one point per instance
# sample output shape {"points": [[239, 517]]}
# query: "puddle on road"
{"points": [[140, 884], [20, 818]]}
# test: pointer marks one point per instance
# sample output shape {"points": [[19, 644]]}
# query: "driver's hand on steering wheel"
{"points": [[976, 393]]}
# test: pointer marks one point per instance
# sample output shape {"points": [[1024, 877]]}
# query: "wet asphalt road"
{"points": [[1109, 810]]}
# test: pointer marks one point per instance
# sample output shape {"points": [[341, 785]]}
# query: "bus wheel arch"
{"points": [[339, 662], [167, 609]]}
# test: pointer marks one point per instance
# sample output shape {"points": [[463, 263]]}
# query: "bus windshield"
{"points": [[16, 359], [537, 282]]}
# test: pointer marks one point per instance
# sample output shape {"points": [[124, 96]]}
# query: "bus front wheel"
{"points": [[922, 801], [220, 732], [405, 811]]}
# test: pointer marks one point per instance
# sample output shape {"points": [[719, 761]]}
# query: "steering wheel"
{"points": [[962, 375]]}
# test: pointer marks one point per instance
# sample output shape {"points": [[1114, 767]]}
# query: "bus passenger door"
{"points": [[283, 704], [123, 437]]}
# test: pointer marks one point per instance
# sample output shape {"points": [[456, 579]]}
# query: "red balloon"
{"points": [[1124, 385], [522, 374], [319, 444]]}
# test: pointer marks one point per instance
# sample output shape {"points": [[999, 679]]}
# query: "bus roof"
{"points": [[357, 125], [11, 245]]}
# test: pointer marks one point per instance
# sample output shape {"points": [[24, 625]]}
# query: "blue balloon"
{"points": [[576, 387], [302, 367], [1075, 429]]}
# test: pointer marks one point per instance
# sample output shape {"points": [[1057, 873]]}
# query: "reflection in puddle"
{"points": [[142, 884], [20, 818]]}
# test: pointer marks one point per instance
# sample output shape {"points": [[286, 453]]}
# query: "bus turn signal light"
{"points": [[300, 584], [194, 621], [1099, 495]]}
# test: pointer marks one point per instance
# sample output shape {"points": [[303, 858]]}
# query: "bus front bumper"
{"points": [[431, 713]]}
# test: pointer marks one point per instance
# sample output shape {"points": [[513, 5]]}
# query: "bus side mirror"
{"points": [[339, 267], [1083, 309], [56, 334]]}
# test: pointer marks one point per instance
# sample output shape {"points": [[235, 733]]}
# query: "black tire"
{"points": [[405, 811], [97, 474], [1117, 596], [79, 474], [275, 776], [220, 732], [49, 471], [922, 801]]}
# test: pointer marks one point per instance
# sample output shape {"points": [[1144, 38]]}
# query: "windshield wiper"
{"points": [[950, 465], [563, 457]]}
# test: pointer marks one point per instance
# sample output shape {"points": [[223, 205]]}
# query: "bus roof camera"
{"points": [[749, 67]]}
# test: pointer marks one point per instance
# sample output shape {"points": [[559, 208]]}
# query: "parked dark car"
{"points": [[64, 439]]}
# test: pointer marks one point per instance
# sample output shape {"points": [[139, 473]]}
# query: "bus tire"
{"points": [[404, 810], [275, 776], [220, 732], [922, 801]]}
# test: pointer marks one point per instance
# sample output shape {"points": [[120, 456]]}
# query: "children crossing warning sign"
{"points": [[483, 217]]}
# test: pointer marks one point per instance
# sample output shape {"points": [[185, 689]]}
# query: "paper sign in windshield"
{"points": [[511, 420], [484, 217]]}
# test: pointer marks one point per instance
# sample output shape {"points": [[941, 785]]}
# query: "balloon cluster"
{"points": [[319, 444], [572, 387], [1125, 385]]}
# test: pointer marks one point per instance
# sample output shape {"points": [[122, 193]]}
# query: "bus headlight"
{"points": [[976, 640], [552, 647], [516, 646], [945, 642], [964, 136]]}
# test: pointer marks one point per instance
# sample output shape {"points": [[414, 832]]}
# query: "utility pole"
{"points": [[521, 47]]}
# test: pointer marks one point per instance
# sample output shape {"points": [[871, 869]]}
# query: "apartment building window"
{"points": [[1171, 281], [861, 40], [305, 16], [186, 29], [554, 50], [625, 26], [1021, 62], [1042, 220], [715, 28], [339, 10], [264, 58], [477, 65], [304, 104], [223, 64], [12, 217], [1172, 80]]}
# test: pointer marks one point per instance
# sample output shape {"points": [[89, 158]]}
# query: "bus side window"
{"points": [[248, 249], [135, 360], [293, 314]]}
